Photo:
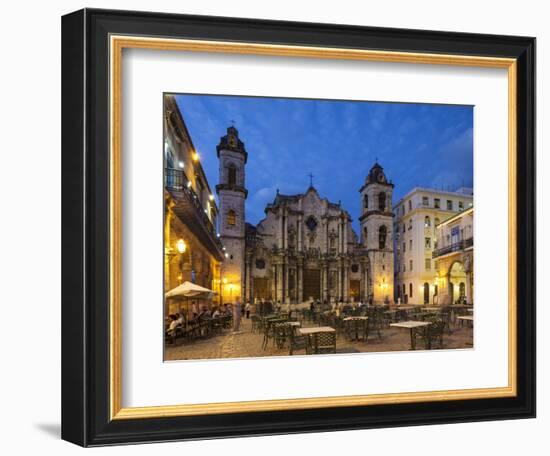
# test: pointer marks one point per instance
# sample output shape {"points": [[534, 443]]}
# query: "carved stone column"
{"points": [[346, 282], [300, 238], [324, 282], [286, 284], [300, 284], [345, 242]]}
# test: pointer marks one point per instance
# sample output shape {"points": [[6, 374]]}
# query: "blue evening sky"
{"points": [[337, 141]]}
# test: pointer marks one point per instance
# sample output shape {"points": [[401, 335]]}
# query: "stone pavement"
{"points": [[246, 344]]}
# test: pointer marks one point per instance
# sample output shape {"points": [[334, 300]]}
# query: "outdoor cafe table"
{"points": [[469, 318], [316, 329], [411, 325], [361, 319]]}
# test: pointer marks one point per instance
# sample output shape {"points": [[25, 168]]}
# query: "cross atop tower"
{"points": [[311, 176]]}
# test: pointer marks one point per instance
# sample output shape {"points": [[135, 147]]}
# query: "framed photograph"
{"points": [[268, 227]]}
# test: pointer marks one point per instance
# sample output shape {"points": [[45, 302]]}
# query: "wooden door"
{"points": [[312, 284]]}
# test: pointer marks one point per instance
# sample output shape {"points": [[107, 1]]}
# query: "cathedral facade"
{"points": [[305, 248]]}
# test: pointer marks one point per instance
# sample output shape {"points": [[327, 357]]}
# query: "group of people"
{"points": [[236, 310], [337, 307]]}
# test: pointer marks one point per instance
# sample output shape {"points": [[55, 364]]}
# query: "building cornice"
{"points": [[369, 213]]}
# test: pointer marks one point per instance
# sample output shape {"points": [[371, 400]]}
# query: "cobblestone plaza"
{"points": [[248, 344]]}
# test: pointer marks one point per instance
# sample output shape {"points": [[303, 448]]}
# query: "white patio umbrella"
{"points": [[189, 290]]}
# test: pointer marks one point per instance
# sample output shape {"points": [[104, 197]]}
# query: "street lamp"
{"points": [[181, 246]]}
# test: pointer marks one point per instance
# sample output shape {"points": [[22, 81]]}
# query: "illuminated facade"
{"points": [[455, 258], [305, 248], [417, 216], [192, 251]]}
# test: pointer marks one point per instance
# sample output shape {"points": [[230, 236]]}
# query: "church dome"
{"points": [[376, 175], [232, 142]]}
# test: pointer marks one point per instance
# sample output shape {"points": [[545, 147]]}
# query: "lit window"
{"points": [[231, 218], [427, 221]]}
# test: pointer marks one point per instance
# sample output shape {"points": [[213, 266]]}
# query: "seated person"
{"points": [[180, 319], [171, 331]]}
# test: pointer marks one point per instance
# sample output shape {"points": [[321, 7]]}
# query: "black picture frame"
{"points": [[85, 228]]}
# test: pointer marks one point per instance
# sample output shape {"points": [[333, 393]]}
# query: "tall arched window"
{"points": [[427, 221], [382, 234], [410, 290], [382, 201], [231, 174], [231, 217], [366, 201], [365, 235]]}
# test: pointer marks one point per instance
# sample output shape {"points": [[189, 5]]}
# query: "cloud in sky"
{"points": [[337, 141]]}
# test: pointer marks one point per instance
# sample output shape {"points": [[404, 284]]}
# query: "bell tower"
{"points": [[377, 231], [232, 194]]}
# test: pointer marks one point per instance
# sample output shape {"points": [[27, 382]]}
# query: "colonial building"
{"points": [[192, 251], [305, 247], [454, 258], [417, 215]]}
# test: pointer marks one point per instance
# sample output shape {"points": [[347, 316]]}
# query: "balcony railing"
{"points": [[177, 183], [175, 179], [454, 247]]}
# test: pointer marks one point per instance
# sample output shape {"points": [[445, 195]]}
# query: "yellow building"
{"points": [[192, 250], [454, 258]]}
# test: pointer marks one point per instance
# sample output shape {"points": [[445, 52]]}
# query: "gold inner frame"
{"points": [[117, 45]]}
